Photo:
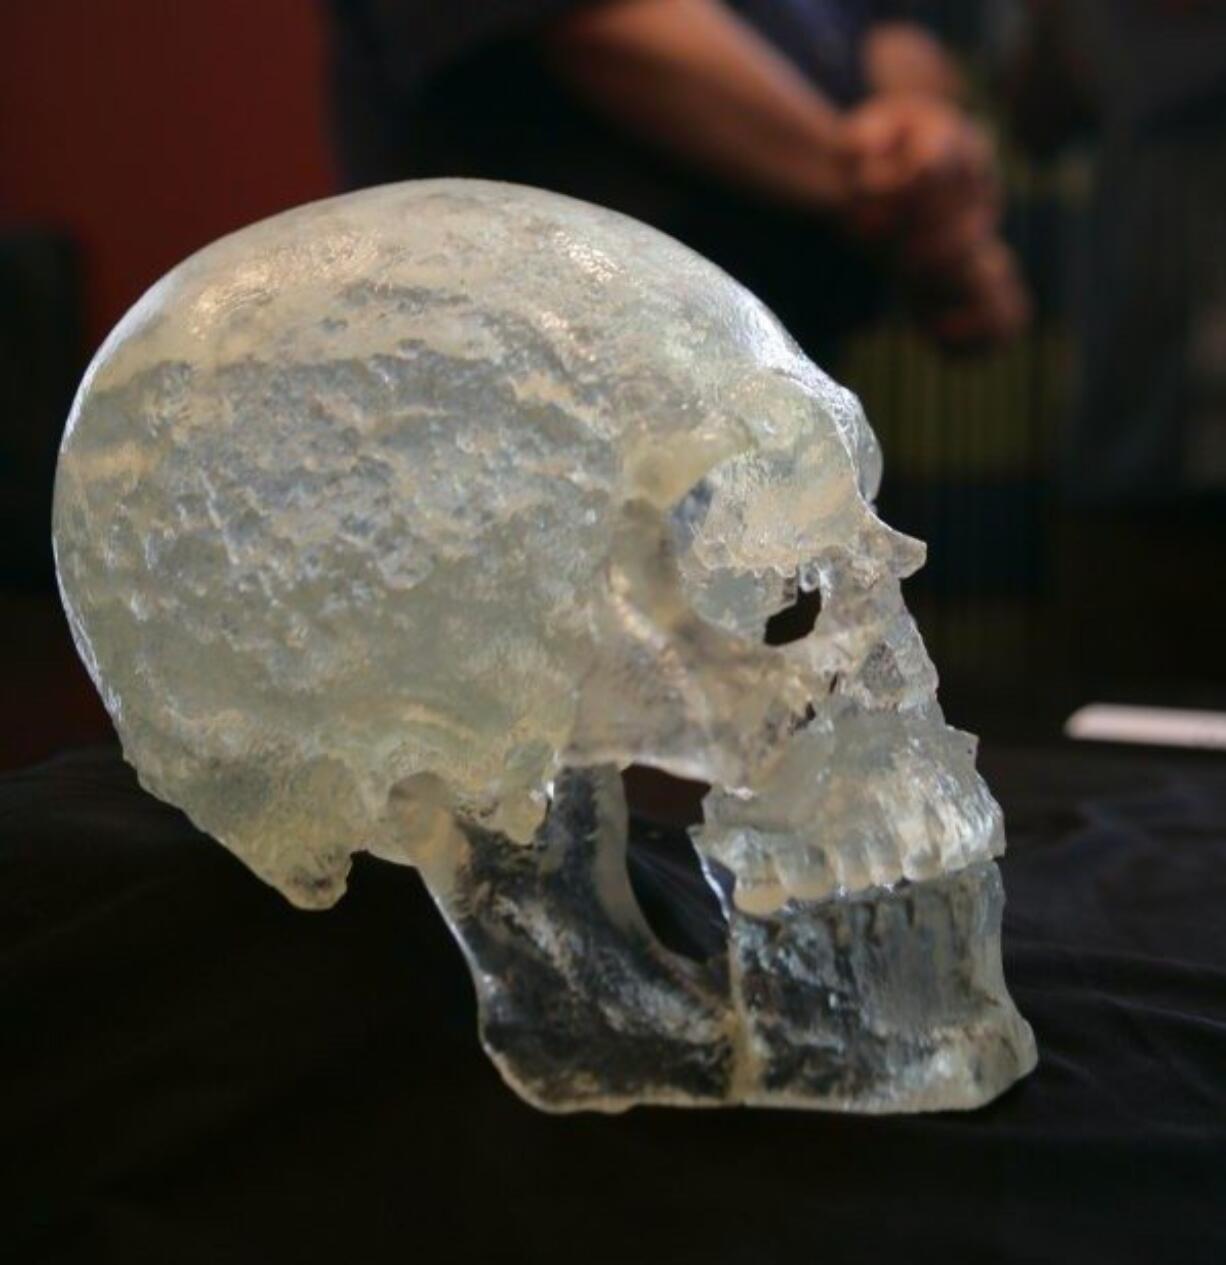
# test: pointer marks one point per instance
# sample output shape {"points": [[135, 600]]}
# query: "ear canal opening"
{"points": [[665, 874], [795, 622]]}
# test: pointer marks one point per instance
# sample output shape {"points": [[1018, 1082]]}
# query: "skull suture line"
{"points": [[404, 521]]}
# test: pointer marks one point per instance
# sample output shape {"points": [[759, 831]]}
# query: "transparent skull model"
{"points": [[406, 521]]}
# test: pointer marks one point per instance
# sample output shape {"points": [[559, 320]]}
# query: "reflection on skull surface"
{"points": [[405, 521]]}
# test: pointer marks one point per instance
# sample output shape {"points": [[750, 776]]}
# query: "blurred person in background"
{"points": [[817, 150], [1147, 79]]}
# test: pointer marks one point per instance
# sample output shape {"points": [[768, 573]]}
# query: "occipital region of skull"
{"points": [[405, 521]]}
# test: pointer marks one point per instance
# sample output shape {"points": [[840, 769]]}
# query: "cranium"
{"points": [[405, 521]]}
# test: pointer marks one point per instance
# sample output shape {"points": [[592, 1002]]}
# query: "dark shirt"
{"points": [[459, 90], [1151, 418]]}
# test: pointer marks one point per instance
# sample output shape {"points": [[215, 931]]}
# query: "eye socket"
{"points": [[794, 622]]}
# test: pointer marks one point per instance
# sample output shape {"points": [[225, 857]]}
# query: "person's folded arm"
{"points": [[694, 79], [905, 169]]}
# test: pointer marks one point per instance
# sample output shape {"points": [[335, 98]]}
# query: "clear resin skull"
{"points": [[404, 522]]}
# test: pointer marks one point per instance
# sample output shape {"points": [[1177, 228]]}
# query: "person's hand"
{"points": [[923, 185], [901, 56], [920, 170], [985, 303]]}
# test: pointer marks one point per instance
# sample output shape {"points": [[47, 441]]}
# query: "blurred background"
{"points": [[1000, 222]]}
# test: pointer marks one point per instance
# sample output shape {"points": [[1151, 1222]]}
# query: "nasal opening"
{"points": [[794, 622]]}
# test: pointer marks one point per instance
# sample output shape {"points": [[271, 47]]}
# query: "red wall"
{"points": [[146, 128]]}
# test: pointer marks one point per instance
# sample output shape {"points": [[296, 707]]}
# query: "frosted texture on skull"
{"points": [[406, 520]]}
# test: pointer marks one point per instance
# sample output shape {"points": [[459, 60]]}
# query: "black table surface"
{"points": [[192, 1071]]}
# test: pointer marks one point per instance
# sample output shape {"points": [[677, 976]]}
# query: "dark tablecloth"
{"points": [[192, 1071]]}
